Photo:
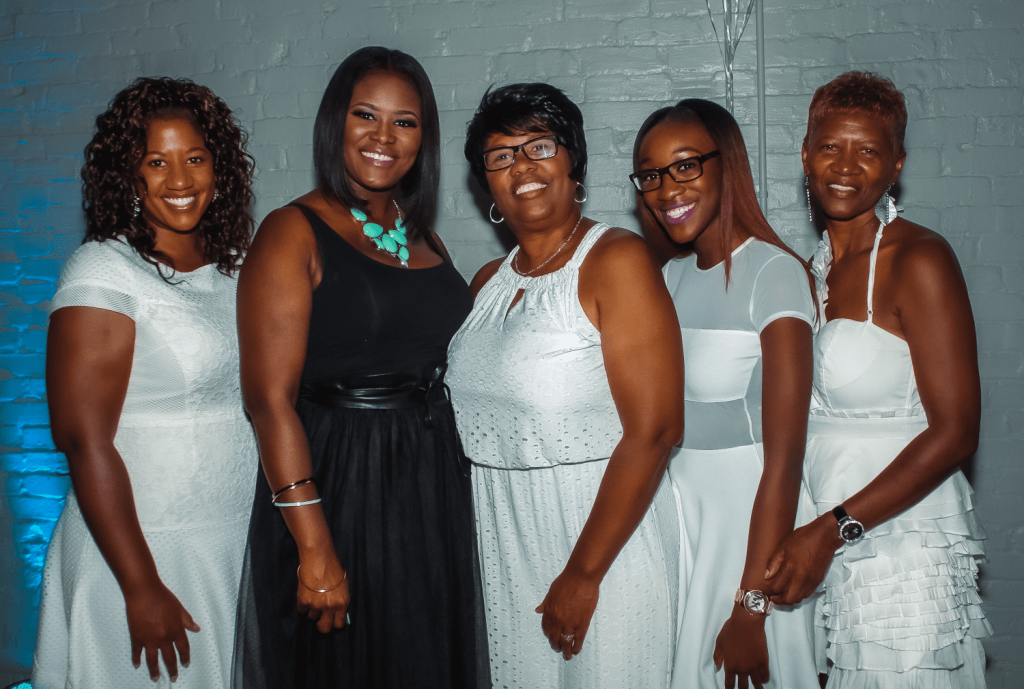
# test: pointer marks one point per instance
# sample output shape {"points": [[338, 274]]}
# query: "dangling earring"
{"points": [[579, 185], [490, 214], [216, 195], [137, 206], [807, 190], [885, 209]]}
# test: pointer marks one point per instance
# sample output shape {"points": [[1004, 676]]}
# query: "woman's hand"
{"points": [[800, 562], [156, 623], [330, 608], [568, 609], [742, 649]]}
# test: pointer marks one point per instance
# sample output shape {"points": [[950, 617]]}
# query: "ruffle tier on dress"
{"points": [[904, 599]]}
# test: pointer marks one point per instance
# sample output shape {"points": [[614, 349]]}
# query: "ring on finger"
{"points": [[568, 637]]}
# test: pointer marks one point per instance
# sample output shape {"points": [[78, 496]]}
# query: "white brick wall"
{"points": [[959, 63]]}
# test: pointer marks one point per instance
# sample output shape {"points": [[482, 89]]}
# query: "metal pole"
{"points": [[762, 128]]}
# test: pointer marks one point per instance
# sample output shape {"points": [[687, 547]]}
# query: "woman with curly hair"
{"points": [[144, 396]]}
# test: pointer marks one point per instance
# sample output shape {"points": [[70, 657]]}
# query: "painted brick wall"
{"points": [[958, 62]]}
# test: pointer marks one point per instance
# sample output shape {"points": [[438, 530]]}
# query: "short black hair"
{"points": [[418, 189], [521, 108]]}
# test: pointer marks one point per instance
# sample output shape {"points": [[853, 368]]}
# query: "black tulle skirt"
{"points": [[397, 499]]}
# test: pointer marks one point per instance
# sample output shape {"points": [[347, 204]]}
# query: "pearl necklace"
{"points": [[393, 242], [515, 261]]}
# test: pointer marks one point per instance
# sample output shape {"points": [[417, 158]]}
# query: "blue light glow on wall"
{"points": [[43, 128]]}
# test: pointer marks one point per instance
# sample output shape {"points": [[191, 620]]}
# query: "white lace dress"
{"points": [[538, 421], [717, 470], [901, 608], [191, 457]]}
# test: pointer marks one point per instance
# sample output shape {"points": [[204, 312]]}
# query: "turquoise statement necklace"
{"points": [[393, 242]]}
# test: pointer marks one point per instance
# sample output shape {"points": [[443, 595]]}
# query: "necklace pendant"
{"points": [[393, 242]]}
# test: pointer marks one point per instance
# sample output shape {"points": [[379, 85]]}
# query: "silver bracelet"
{"points": [[297, 504]]}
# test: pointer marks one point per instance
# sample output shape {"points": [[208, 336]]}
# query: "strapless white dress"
{"points": [[901, 606]]}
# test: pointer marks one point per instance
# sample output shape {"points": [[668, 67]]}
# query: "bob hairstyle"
{"points": [[417, 191], [522, 109], [739, 207], [111, 170], [861, 92]]}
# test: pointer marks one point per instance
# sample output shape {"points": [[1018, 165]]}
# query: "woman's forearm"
{"points": [[630, 482], [771, 520], [284, 455], [104, 494], [924, 463]]}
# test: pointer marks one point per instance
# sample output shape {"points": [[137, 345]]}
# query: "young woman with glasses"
{"points": [[745, 305], [567, 384]]}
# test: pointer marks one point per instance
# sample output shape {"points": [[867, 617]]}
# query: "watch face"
{"points": [[852, 531], [755, 602]]}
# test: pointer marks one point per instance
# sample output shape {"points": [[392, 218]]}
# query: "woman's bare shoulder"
{"points": [[917, 248], [922, 261], [484, 275], [620, 249]]}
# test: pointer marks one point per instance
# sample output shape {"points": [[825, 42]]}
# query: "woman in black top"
{"points": [[347, 301]]}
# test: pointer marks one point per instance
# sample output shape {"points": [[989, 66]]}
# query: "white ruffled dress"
{"points": [[901, 607]]}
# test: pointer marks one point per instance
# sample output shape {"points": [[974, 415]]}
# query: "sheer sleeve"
{"points": [[781, 290], [100, 276]]}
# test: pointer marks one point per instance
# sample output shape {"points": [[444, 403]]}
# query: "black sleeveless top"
{"points": [[369, 318]]}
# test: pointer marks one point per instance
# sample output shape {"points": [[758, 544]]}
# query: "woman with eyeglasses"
{"points": [[567, 385], [745, 305]]}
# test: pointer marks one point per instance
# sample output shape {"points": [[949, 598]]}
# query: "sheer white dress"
{"points": [[537, 420], [717, 471], [901, 607], [191, 457]]}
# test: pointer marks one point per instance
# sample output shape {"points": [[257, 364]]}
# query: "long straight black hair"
{"points": [[739, 205], [417, 191]]}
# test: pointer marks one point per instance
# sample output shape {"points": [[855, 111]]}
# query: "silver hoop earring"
{"points": [[885, 209], [807, 190], [490, 214], [579, 185], [137, 206]]}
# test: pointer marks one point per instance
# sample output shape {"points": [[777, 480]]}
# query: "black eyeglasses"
{"points": [[685, 170], [541, 148]]}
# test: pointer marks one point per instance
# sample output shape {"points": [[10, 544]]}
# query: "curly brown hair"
{"points": [[112, 161]]}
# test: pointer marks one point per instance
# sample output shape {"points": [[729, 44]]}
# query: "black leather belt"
{"points": [[386, 391], [380, 391]]}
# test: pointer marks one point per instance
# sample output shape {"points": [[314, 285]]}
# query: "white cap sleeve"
{"points": [[98, 275], [781, 290]]}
